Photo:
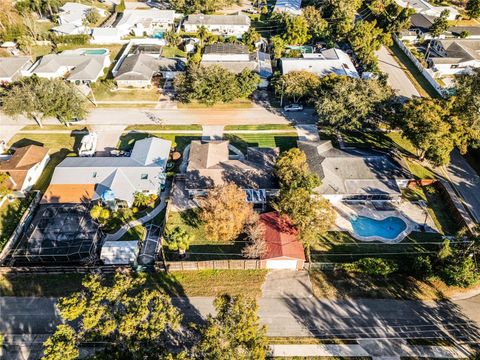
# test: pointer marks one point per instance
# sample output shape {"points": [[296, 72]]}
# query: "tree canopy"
{"points": [[296, 29], [346, 103], [366, 38], [234, 333], [224, 212], [297, 85], [205, 6], [214, 84], [39, 98], [425, 124], [473, 8], [292, 171], [440, 24]]}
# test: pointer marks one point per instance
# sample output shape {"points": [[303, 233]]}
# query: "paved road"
{"points": [[466, 181], [132, 116], [397, 78], [295, 317]]}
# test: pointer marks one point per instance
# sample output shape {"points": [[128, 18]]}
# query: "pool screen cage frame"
{"points": [[60, 233]]}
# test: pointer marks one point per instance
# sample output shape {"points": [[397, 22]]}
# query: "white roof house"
{"points": [[454, 56], [225, 25], [119, 252], [425, 8], [145, 21], [323, 63], [124, 176], [289, 6], [80, 65], [13, 68], [74, 13], [105, 36]]}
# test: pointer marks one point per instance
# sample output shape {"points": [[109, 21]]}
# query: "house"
{"points": [[323, 63], [454, 56], [284, 249], [145, 22], [236, 58], [470, 32], [224, 25], [105, 36], [355, 175], [92, 178], [13, 68], [288, 6], [79, 65], [70, 29], [75, 13], [141, 62], [24, 167], [425, 8], [210, 164]]}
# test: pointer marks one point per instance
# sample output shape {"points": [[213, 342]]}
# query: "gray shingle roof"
{"points": [[9, 66], [458, 50], [143, 67], [84, 67], [225, 48], [352, 172]]}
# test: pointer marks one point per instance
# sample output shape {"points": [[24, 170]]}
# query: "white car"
{"points": [[293, 107]]}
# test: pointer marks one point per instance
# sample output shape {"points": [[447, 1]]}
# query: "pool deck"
{"points": [[414, 220]]}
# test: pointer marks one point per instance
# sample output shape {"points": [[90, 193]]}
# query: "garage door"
{"points": [[282, 264]]}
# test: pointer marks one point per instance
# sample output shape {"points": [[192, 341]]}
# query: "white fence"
{"points": [[420, 67]]}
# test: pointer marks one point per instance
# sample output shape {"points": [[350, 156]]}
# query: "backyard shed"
{"points": [[119, 252], [284, 249]]}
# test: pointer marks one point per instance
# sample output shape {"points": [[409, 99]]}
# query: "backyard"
{"points": [[201, 248], [10, 215]]}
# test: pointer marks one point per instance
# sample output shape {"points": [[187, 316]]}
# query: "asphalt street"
{"points": [[397, 78], [348, 319]]}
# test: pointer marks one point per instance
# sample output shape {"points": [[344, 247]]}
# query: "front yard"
{"points": [[102, 92]]}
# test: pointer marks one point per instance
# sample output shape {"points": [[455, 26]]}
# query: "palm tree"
{"points": [[202, 34]]}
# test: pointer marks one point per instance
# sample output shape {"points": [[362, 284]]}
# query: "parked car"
{"points": [[293, 107]]}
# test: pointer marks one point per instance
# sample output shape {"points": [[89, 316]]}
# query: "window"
{"points": [[94, 175], [144, 176]]}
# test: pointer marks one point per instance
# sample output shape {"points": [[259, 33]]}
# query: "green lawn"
{"points": [[53, 128], [260, 127], [102, 93], [338, 246], [59, 145], [136, 233], [173, 51], [10, 215], [181, 283], [236, 104], [284, 141], [202, 248], [180, 140]]}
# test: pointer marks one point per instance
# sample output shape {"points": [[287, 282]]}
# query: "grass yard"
{"points": [[260, 127], [10, 215], [201, 248], [172, 52], [284, 141], [343, 285], [337, 246], [173, 128], [102, 93], [180, 140], [181, 283], [59, 145], [136, 233]]}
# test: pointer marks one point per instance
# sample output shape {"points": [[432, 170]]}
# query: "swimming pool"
{"points": [[95, 52], [389, 228]]}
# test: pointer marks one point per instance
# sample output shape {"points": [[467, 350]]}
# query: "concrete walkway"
{"points": [[212, 132], [307, 132], [7, 132], [157, 210]]}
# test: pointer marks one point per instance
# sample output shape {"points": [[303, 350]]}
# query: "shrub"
{"points": [[372, 266], [461, 272], [422, 267]]}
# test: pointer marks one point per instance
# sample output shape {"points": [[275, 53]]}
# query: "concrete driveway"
{"points": [[287, 284], [108, 137], [397, 78]]}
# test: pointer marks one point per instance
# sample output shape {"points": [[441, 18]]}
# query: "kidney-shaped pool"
{"points": [[388, 228]]}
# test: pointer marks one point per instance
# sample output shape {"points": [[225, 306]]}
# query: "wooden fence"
{"points": [[215, 265]]}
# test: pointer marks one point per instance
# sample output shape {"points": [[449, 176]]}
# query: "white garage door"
{"points": [[282, 264]]}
